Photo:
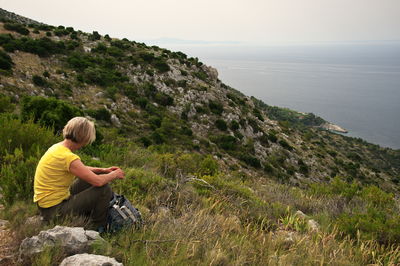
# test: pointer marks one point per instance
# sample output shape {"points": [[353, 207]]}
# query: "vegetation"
{"points": [[217, 182]]}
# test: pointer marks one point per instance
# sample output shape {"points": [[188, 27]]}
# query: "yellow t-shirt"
{"points": [[52, 177]]}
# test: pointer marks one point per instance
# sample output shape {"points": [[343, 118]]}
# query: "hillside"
{"points": [[219, 175]]}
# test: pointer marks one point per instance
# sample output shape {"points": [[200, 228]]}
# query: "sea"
{"points": [[354, 85]]}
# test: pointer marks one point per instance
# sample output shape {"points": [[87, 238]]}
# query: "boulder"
{"points": [[300, 214], [115, 120], [89, 260], [313, 225], [72, 240]]}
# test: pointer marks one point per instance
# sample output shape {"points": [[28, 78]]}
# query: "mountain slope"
{"points": [[208, 165]]}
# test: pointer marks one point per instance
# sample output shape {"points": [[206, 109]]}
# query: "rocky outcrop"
{"points": [[72, 240], [89, 260], [333, 127], [17, 18]]}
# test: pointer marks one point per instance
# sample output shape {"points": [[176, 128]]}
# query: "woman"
{"points": [[55, 191]]}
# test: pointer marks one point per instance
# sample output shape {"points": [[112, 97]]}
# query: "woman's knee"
{"points": [[105, 190]]}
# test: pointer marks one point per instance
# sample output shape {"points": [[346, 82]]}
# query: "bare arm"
{"points": [[98, 170], [85, 173]]}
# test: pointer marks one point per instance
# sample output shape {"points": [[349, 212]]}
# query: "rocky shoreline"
{"points": [[333, 127]]}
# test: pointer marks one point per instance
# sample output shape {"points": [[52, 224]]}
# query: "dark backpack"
{"points": [[122, 214]]}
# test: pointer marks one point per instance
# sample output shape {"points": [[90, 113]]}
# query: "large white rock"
{"points": [[73, 240], [89, 260]]}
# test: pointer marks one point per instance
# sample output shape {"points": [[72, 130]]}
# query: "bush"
{"points": [[102, 76], [39, 81], [5, 104], [216, 107], [234, 125], [208, 166], [225, 142], [17, 28], [100, 114], [27, 136], [42, 47], [17, 174], [163, 99], [95, 36], [6, 62], [201, 75], [161, 66], [49, 111], [285, 144], [250, 160], [221, 125]]}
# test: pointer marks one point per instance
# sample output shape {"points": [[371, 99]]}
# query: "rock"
{"points": [[3, 224], [115, 121], [73, 240], [300, 214], [89, 260], [163, 212], [87, 49], [313, 225], [36, 221], [99, 94], [212, 72], [333, 127]]}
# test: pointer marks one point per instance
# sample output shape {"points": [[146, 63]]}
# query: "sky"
{"points": [[258, 22]]}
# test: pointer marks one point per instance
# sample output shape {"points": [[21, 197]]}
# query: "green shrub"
{"points": [[100, 114], [225, 142], [6, 62], [250, 160], [208, 166], [201, 109], [201, 75], [142, 102], [234, 125], [5, 104], [221, 125], [17, 174], [42, 47], [257, 113], [155, 122], [111, 92], [285, 144], [161, 66], [147, 57], [163, 99], [115, 52], [145, 141], [253, 123], [216, 107], [17, 28], [49, 111], [39, 81], [186, 131], [95, 36], [27, 136]]}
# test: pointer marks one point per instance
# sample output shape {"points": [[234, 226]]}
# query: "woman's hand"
{"points": [[119, 173], [110, 169]]}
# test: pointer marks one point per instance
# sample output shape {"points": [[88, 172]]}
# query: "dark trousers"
{"points": [[85, 200]]}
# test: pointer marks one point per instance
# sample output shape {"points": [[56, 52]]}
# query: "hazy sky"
{"points": [[248, 21]]}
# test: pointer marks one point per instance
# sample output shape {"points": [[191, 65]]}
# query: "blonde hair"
{"points": [[80, 130]]}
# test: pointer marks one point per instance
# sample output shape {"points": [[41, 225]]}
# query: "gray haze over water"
{"points": [[356, 86]]}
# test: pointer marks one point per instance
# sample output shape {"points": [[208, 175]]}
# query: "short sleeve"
{"points": [[70, 158]]}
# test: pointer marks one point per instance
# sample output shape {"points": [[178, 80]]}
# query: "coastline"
{"points": [[333, 127]]}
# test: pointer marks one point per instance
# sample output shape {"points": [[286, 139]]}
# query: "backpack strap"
{"points": [[118, 209]]}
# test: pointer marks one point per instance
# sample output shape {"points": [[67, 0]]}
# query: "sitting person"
{"points": [[55, 191]]}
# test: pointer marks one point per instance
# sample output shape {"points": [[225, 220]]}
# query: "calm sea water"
{"points": [[356, 86]]}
